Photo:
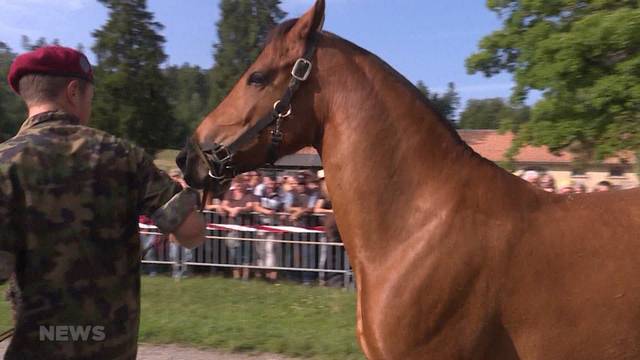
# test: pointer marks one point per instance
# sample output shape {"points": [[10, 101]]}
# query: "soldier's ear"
{"points": [[72, 92]]}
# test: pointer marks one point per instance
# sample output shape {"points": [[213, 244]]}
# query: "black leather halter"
{"points": [[219, 157]]}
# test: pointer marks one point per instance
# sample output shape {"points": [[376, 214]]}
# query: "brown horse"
{"points": [[454, 257]]}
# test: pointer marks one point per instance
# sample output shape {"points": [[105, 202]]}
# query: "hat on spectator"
{"points": [[50, 60], [530, 175]]}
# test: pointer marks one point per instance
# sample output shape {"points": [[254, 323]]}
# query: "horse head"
{"points": [[269, 112]]}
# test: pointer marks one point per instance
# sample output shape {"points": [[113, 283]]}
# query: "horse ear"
{"points": [[311, 22]]}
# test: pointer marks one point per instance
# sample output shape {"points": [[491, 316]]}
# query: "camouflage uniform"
{"points": [[70, 197]]}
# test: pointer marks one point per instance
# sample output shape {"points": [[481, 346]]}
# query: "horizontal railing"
{"points": [[297, 249]]}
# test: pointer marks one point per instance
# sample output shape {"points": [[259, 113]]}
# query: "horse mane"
{"points": [[280, 30], [283, 28], [447, 124]]}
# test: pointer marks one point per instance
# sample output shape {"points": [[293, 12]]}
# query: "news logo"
{"points": [[72, 333]]}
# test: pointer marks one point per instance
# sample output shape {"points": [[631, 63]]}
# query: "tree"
{"points": [[492, 114], [131, 96], [188, 95], [27, 45], [584, 56], [446, 104], [242, 31], [12, 110]]}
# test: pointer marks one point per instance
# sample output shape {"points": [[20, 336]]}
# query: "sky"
{"points": [[426, 40]]}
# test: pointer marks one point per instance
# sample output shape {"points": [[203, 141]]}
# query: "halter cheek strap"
{"points": [[219, 157]]}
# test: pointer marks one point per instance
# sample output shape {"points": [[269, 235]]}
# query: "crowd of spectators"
{"points": [[546, 182], [286, 198]]}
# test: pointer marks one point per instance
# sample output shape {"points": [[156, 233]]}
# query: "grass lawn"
{"points": [[5, 311], [246, 316]]}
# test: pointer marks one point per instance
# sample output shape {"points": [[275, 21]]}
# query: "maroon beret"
{"points": [[50, 60]]}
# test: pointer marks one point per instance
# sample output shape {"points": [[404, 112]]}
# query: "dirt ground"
{"points": [[173, 352]]}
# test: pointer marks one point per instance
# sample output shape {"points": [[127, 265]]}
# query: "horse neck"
{"points": [[386, 152]]}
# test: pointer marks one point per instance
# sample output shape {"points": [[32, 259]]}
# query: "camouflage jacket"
{"points": [[70, 197]]}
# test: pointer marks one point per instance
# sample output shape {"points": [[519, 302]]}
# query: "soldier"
{"points": [[70, 197]]}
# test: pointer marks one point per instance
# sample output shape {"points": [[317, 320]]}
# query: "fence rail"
{"points": [[297, 250]]}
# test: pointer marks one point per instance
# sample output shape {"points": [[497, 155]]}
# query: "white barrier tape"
{"points": [[263, 228]]}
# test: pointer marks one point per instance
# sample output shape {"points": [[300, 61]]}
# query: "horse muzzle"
{"points": [[201, 172]]}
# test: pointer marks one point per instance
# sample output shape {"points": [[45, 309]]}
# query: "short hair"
{"points": [[605, 183], [39, 88]]}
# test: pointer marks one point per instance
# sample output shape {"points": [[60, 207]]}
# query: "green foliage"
{"points": [[187, 95], [584, 57], [492, 114], [446, 104], [12, 109], [242, 31], [131, 92]]}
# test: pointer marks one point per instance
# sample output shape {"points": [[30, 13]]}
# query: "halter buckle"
{"points": [[301, 69], [224, 151], [283, 114]]}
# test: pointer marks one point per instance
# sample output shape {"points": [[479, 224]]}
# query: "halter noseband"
{"points": [[219, 157]]}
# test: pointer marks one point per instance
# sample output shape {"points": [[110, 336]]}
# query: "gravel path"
{"points": [[174, 352]]}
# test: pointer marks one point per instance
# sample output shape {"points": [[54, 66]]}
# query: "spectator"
{"points": [[212, 203], [148, 242], [236, 203], [296, 202], [297, 205], [260, 188], [178, 254], [603, 186], [566, 187], [267, 206], [531, 176], [324, 207], [312, 190], [252, 181], [547, 183], [579, 188]]}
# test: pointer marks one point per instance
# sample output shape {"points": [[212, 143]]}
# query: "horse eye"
{"points": [[257, 79]]}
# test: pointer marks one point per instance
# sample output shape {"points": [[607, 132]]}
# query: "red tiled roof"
{"points": [[492, 145]]}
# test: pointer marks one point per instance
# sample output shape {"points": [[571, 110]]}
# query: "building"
{"points": [[620, 171]]}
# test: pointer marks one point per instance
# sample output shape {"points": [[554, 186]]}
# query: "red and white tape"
{"points": [[253, 228]]}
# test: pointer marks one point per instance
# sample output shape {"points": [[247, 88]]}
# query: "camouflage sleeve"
{"points": [[156, 187]]}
